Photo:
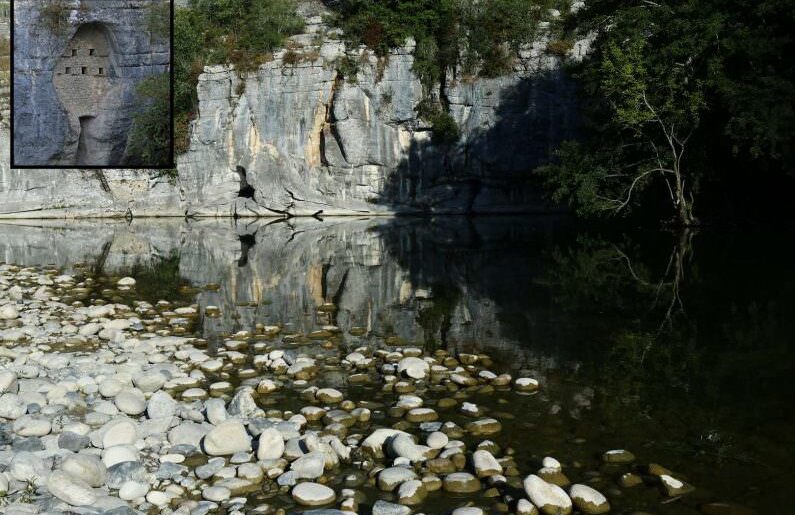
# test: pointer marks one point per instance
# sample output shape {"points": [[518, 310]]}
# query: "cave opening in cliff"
{"points": [[84, 149], [246, 190]]}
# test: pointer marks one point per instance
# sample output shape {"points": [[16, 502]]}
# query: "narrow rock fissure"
{"points": [[331, 120]]}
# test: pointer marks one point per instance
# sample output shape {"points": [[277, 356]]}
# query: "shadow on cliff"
{"points": [[490, 169]]}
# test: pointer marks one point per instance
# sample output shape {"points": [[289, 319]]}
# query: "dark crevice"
{"points": [[292, 196], [100, 175], [332, 121], [292, 236], [279, 211], [246, 190], [323, 159], [296, 199], [99, 264], [246, 242], [337, 298], [324, 269]]}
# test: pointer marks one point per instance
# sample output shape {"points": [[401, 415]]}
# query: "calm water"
{"points": [[677, 347]]}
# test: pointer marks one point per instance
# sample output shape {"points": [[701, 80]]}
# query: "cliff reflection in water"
{"points": [[679, 344]]}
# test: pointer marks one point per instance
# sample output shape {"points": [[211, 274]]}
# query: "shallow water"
{"points": [[677, 347]]}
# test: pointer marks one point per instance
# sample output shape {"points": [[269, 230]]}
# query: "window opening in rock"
{"points": [[90, 51], [68, 70], [74, 52], [83, 70], [101, 71]]}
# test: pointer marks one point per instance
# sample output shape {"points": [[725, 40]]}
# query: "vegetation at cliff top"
{"points": [[468, 36], [482, 36], [149, 140], [681, 98], [221, 31]]}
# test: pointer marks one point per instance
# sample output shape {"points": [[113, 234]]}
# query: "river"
{"points": [[677, 347]]}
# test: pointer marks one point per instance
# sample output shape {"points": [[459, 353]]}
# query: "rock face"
{"points": [[304, 138], [76, 106]]}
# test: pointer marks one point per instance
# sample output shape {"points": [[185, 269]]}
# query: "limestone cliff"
{"points": [[77, 63], [298, 137]]}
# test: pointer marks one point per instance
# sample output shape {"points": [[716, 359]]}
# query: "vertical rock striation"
{"points": [[323, 128], [311, 139]]}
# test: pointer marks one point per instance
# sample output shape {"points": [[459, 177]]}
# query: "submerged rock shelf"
{"points": [[111, 402]]}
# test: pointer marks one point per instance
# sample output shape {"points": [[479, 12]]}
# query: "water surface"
{"points": [[675, 346]]}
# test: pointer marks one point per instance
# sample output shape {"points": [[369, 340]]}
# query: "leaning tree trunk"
{"points": [[683, 200]]}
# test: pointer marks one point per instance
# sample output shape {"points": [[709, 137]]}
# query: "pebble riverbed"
{"points": [[118, 407]]}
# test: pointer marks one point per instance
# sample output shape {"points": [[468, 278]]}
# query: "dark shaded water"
{"points": [[675, 346]]}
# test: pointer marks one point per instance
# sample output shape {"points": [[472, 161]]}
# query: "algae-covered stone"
{"points": [[461, 482], [629, 479], [550, 499], [421, 415], [485, 464], [525, 507], [588, 500], [411, 492], [526, 384], [673, 487], [390, 478], [618, 456], [484, 427], [329, 395]]}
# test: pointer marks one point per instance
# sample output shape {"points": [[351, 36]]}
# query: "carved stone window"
{"points": [[68, 70], [90, 51], [102, 71], [74, 52], [83, 70]]}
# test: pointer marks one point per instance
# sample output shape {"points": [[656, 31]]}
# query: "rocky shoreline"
{"points": [[110, 404]]}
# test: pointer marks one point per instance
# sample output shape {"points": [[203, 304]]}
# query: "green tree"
{"points": [[646, 88], [755, 80], [669, 88], [149, 140]]}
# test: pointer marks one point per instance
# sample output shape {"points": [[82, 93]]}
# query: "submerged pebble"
{"points": [[138, 412]]}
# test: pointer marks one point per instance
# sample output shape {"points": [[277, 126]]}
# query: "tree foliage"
{"points": [[661, 79], [149, 140], [472, 36], [207, 32], [484, 36]]}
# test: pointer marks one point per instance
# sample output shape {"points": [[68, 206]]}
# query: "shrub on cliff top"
{"points": [[242, 32], [483, 35], [149, 140]]}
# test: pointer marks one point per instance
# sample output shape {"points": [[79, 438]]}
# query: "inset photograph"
{"points": [[91, 83]]}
